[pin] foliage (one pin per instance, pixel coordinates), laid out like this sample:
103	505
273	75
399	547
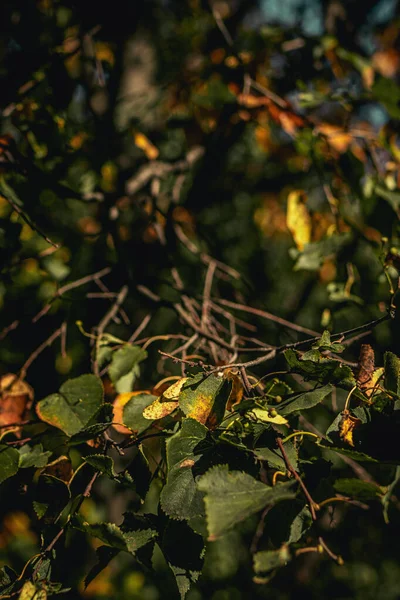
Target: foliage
200	250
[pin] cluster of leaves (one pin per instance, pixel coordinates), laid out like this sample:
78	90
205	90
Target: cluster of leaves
221	455
185	165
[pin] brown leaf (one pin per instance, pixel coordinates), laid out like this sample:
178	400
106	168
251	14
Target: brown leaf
347	426
366	366
16	398
60	468
236	394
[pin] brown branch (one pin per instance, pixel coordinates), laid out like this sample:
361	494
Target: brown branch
29	221
9	328
140	328
206	293
313	505
267	315
106	320
39	350
68	287
329	552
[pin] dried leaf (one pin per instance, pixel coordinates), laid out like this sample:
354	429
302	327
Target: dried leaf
298	218
16	397
236	393
366	366
347	426
159	409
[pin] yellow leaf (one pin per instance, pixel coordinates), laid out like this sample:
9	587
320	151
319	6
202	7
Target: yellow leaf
264	415
31	592
298	218
142	142
159	409
347	426
172	393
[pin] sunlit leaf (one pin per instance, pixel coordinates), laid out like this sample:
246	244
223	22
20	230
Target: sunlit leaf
74	406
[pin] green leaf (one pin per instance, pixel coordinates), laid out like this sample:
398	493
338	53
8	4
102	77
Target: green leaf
356	488
8	578
120	538
271	559
354	454
274	457
9	462
184	551
324	344
99	423
133	412
231	496
314	253
202	399
306	400
104	555
140	472
180	498
288	522
33	457
72	409
324	370
51	496
102	463
388	92
392	197
392	372
124	368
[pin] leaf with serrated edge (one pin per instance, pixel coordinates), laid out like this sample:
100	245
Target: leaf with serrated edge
306	400
102	463
113	536
74	406
9	462
231	496
180	498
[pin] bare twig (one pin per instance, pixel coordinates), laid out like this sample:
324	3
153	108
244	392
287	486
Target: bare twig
70	286
39	350
140	328
267	315
106	320
29	221
9	328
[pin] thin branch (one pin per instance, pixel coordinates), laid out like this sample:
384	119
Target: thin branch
68	287
9	328
269	316
39	350
29	221
140	328
206	293
313	505
106	320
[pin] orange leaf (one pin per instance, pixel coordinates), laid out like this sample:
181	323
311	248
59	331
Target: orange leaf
16	397
142	142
